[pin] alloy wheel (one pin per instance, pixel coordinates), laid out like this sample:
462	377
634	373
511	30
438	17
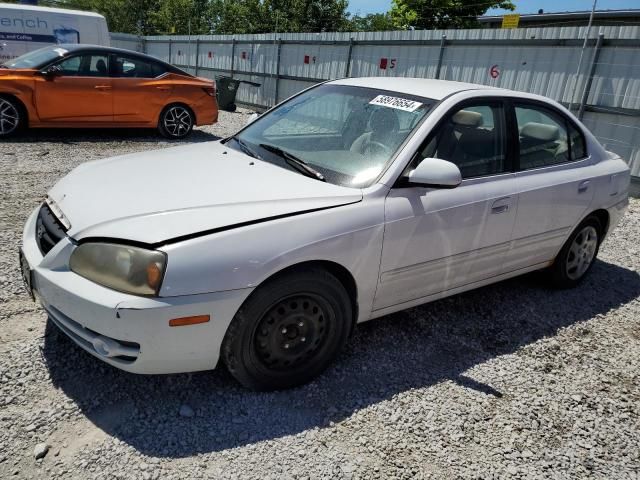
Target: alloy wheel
9	117
177	121
582	252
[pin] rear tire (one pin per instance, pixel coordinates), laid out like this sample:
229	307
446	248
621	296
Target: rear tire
176	121
288	331
578	254
12	117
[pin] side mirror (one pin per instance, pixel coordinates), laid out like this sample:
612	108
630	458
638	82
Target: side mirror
436	173
52	71
252	118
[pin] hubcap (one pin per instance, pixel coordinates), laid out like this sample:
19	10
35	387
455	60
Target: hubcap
9	117
291	332
177	121
581	253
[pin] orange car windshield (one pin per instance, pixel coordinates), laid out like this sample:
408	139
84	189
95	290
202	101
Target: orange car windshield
36	59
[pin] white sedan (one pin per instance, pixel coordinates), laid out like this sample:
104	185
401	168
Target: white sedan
351	200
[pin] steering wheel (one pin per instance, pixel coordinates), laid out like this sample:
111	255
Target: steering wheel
376	148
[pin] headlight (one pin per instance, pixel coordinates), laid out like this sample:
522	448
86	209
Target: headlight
120	267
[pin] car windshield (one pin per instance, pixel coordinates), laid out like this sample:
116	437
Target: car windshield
36	59
345	134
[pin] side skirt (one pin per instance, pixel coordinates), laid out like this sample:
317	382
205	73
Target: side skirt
454	291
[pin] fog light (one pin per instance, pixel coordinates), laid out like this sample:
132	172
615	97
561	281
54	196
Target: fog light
103	346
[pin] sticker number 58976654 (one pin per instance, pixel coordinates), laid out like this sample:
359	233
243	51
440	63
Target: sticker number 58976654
396	102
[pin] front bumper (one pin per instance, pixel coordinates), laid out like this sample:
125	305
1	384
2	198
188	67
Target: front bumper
129	332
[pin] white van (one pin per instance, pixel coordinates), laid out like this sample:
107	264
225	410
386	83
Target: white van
25	27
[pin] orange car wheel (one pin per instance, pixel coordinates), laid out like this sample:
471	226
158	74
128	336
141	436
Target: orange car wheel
176	121
12	116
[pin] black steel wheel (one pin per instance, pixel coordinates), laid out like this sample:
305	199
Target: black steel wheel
288	331
176	121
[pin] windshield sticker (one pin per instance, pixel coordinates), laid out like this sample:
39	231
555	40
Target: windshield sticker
396	102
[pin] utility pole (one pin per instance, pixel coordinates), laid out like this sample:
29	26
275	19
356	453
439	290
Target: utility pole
584	47
189	33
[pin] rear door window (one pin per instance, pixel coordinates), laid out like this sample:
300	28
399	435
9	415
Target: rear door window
543	137
134	67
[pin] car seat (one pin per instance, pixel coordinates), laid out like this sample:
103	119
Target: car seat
540	145
384	127
101	67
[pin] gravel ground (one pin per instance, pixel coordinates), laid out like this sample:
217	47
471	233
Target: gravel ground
511	381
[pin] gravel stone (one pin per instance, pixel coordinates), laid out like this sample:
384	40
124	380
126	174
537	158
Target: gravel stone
40	450
514	380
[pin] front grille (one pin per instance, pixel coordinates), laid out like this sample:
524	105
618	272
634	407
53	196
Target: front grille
49	230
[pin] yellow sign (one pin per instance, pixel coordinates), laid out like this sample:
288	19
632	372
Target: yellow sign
511	20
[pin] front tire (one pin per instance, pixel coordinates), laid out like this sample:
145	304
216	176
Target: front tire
12	117
578	254
288	331
176	121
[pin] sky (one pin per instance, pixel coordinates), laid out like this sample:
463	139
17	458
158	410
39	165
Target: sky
522	6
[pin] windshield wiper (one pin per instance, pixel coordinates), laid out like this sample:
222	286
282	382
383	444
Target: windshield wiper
295	162
246	148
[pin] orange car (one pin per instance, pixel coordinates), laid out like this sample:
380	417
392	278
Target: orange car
80	86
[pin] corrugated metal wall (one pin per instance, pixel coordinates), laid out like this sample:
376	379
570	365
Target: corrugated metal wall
127	41
538	60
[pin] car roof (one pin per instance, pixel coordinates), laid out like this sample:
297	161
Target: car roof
423	87
81	47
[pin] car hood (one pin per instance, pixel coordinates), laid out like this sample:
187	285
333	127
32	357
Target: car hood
155	196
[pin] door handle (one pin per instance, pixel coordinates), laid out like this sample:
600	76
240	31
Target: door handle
102	87
501	205
163	88
499	208
583	186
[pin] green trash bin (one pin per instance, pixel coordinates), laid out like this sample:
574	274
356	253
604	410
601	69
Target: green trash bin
227	90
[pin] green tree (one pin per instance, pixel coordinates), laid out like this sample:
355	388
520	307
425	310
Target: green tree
373	22
440	14
305	15
181	17
236	16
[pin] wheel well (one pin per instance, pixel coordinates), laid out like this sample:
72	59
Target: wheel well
603	216
182	105
20	105
337	270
